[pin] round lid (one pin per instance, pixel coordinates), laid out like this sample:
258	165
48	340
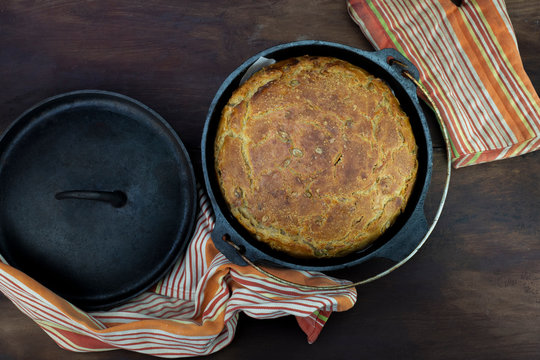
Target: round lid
97	197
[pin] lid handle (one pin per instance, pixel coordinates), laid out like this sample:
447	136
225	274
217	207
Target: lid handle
115	198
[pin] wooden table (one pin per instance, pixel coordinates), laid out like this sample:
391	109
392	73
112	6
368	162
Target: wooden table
473	291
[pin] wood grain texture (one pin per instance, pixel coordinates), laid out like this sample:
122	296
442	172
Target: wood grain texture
472	292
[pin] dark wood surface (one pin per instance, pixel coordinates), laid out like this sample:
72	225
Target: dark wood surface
473	291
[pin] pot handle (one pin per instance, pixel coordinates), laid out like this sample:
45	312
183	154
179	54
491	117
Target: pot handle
232	245
116	198
222	239
397	63
421	217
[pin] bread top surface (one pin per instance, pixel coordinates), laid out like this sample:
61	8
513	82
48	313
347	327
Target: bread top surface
315	157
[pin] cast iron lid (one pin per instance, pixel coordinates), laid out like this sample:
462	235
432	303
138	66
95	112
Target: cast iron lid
97	197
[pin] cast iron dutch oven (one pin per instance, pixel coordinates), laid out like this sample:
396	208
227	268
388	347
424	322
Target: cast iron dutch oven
401	239
97	197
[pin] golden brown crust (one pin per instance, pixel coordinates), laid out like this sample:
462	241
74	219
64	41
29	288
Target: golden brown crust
315	156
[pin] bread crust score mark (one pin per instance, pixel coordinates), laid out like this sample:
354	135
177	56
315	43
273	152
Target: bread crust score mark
315	157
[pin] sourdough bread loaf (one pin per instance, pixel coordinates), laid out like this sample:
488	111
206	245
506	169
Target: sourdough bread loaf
315	157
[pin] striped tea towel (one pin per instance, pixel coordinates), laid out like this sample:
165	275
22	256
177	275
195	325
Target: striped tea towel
469	62
192	311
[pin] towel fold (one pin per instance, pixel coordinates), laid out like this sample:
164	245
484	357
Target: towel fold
192	311
469	62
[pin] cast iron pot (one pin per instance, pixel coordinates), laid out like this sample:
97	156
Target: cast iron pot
401	239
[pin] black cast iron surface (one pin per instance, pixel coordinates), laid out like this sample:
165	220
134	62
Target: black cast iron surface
401	238
97	197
